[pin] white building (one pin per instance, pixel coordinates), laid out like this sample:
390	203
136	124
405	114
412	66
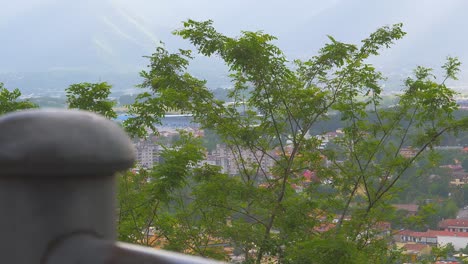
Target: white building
458	240
228	159
147	153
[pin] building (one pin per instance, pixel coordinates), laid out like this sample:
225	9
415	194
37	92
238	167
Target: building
408	236
457	173
328	137
415	251
411	209
147	153
223	157
459	240
459	181
408	152
454	225
228	159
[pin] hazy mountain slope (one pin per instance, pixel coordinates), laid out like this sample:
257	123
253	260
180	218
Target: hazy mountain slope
71	35
435	29
53	43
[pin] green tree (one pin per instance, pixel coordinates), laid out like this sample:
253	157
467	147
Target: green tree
134	218
443	251
449	209
429	215
320	250
260	209
158	202
426	218
91	97
464	250
10	102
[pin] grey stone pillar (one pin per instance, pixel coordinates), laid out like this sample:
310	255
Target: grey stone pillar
57	190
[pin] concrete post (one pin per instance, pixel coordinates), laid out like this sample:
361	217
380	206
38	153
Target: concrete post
57	190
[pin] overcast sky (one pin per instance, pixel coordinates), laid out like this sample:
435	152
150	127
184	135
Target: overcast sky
266	14
55	34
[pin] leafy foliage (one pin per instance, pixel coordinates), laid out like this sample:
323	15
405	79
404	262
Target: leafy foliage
271	212
320	250
91	97
10	102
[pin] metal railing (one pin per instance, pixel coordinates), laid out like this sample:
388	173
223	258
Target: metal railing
57	191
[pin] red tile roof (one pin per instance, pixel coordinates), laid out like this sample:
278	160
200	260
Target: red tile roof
453	223
324	227
451	234
407	207
415	247
383	225
428	233
432	233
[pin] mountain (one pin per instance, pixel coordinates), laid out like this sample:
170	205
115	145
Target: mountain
435	30
49	44
74	36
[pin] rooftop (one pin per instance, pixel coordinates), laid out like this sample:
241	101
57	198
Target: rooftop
407	207
432	233
453	223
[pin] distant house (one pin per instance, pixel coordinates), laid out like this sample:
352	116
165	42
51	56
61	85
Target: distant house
459	240
454	225
408	152
417	248
459	181
324	227
447	262
452	167
328	137
457	173
147	153
408	236
228	159
415	251
411	209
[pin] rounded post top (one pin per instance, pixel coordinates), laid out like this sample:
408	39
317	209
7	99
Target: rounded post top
62	143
